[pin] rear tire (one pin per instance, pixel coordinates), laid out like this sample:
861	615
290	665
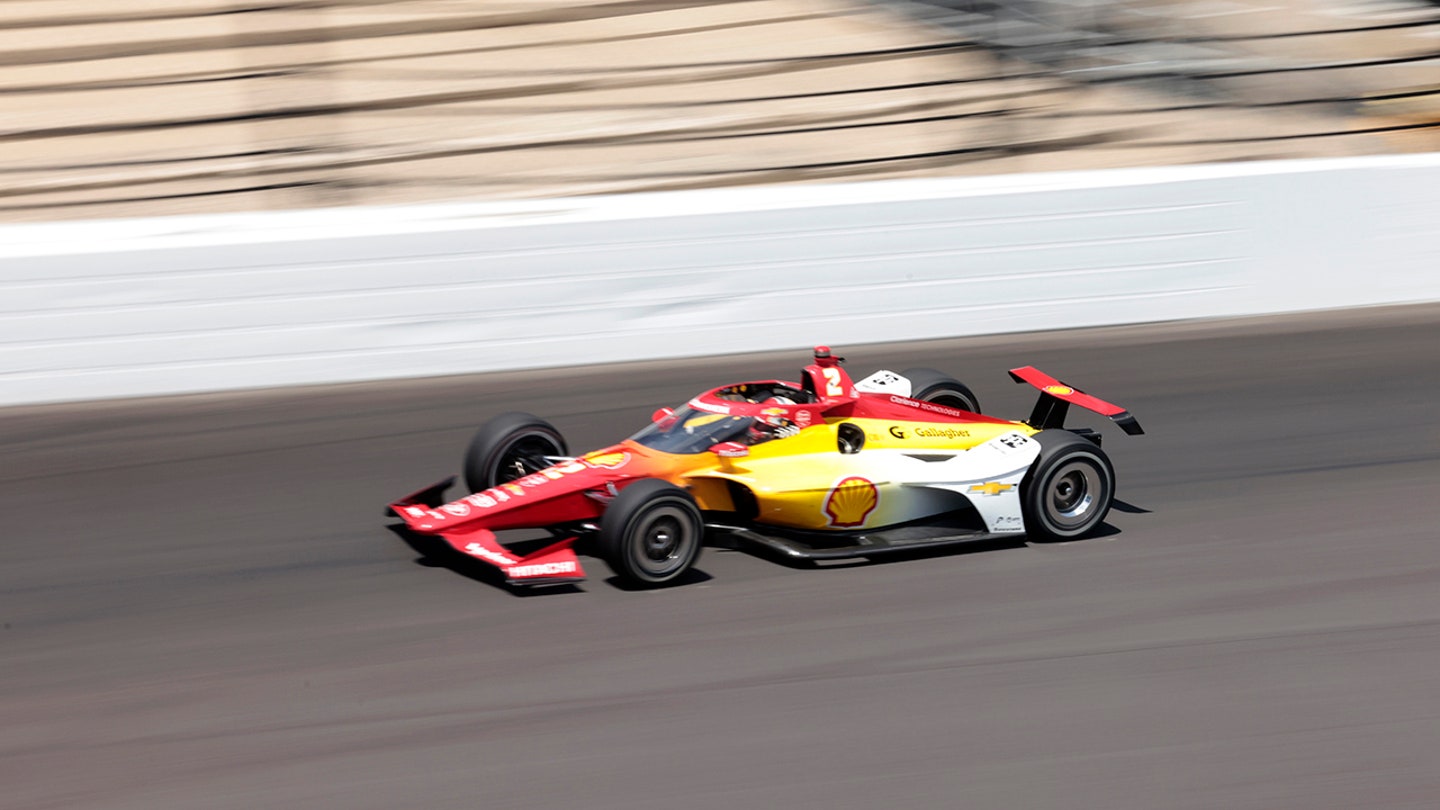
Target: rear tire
510	446
651	533
1069	489
929	385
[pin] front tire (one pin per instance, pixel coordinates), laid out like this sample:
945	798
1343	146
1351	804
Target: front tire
929	385
1068	491
651	533
510	446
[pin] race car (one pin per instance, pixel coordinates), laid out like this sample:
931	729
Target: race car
820	469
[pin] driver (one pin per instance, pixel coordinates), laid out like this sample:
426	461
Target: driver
772	423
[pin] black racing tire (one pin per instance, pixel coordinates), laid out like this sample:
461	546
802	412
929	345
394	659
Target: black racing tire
929	385
651	533
1069	489
510	446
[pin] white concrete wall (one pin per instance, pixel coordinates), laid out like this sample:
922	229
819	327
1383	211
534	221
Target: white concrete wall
139	307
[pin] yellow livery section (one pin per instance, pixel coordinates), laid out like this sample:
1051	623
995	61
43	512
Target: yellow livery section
808	482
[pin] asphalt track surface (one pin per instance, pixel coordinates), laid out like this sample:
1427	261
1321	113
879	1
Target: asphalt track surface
202	606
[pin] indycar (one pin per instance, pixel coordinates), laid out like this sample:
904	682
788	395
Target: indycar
820	469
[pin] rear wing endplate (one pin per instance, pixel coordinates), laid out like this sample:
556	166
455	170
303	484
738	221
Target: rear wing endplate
1056	398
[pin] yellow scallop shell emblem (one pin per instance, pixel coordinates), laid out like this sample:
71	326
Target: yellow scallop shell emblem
851	502
610	461
1059	390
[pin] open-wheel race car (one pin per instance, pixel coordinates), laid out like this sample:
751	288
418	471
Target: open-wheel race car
820	469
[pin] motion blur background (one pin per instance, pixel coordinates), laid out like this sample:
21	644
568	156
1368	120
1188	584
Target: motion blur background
180	106
200	604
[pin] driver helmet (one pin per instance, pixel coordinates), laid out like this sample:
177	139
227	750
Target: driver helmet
773	422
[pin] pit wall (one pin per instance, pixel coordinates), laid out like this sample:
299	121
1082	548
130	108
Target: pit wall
124	308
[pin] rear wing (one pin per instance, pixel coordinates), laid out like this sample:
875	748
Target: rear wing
1056	398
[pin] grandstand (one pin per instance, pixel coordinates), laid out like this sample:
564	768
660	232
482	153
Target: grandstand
190	106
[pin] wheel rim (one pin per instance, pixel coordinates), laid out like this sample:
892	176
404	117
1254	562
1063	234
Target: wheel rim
662	541
1073	495
524	455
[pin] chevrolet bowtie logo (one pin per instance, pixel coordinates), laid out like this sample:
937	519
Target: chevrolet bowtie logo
991	488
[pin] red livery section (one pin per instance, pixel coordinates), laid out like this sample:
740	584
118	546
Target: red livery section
553	564
468	524
1055	395
1060	390
892	406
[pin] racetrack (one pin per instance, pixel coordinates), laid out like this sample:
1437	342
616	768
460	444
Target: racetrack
202	607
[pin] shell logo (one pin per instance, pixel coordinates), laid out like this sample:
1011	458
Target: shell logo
610	461
851	501
1059	390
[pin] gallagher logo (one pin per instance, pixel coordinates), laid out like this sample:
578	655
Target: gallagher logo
942	433
851	501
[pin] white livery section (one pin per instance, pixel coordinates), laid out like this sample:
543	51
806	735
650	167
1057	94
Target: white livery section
987	475
995	470
144	307
885	382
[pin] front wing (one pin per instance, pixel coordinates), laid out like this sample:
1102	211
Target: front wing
555	564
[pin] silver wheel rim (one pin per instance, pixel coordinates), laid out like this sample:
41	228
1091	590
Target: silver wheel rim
662	541
1073	494
523	455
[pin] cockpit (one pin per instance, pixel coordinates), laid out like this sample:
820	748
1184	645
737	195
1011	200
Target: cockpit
747	413
688	431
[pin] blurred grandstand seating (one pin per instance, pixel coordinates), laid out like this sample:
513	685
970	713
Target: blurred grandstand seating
179	106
